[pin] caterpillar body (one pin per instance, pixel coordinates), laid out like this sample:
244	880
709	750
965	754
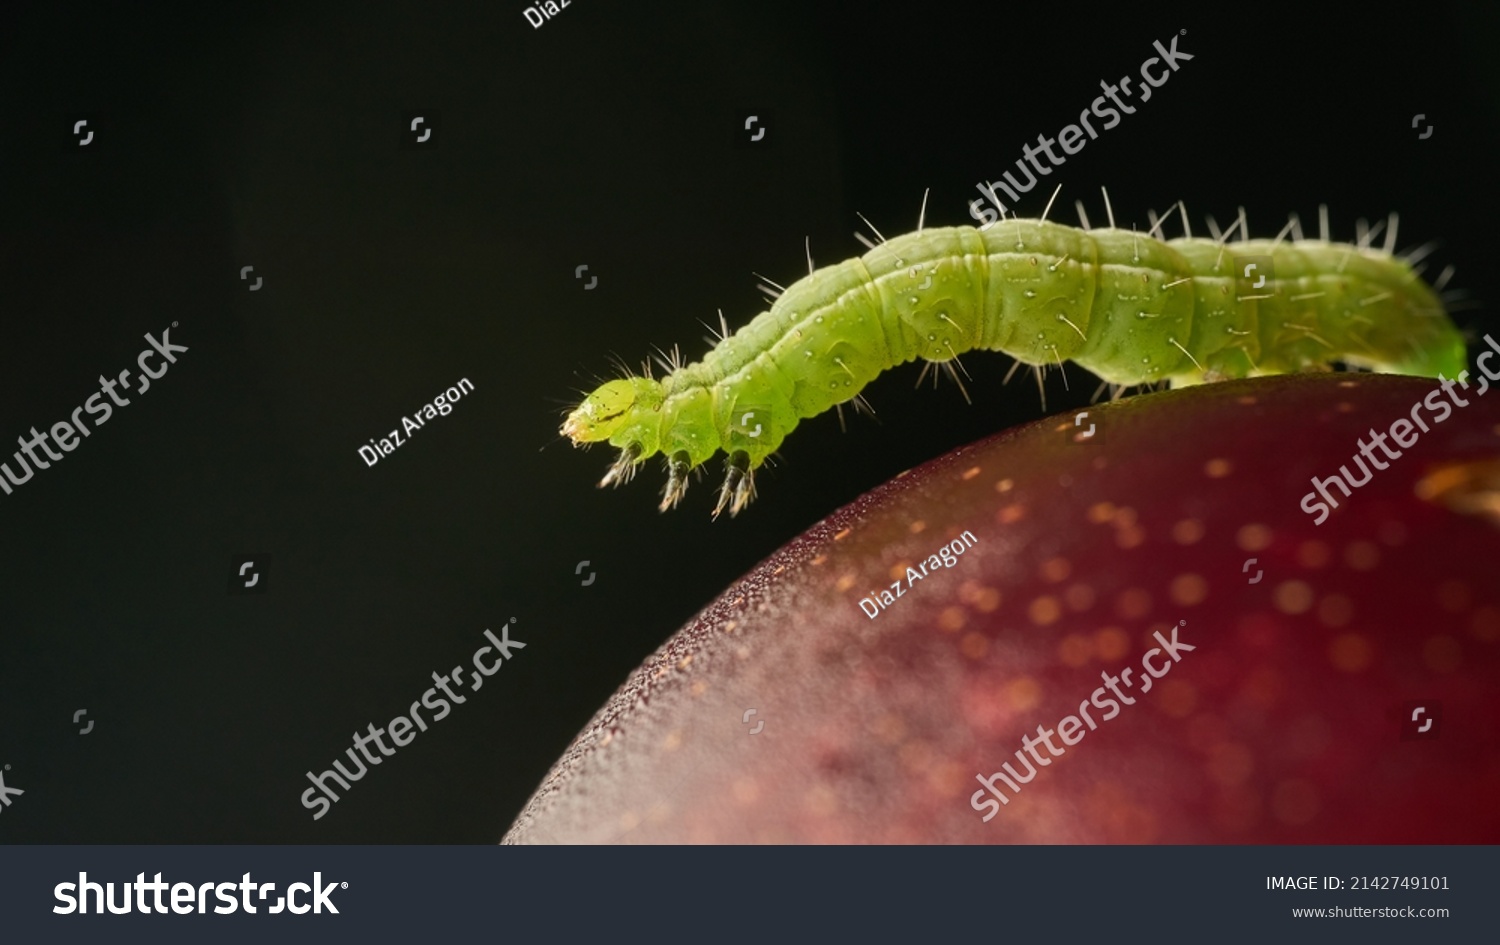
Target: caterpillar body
1131	308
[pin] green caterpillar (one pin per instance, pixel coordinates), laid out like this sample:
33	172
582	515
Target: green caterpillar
1129	307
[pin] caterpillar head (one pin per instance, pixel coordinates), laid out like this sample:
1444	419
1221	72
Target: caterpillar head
613	408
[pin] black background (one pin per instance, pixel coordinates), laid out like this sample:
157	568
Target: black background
270	135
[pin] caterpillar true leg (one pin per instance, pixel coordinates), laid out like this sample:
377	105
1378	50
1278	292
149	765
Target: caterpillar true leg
739	484
678	468
622	470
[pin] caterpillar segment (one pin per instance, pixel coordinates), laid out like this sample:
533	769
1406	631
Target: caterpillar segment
1128	306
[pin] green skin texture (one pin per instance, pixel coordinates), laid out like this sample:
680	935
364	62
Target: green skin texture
1014	287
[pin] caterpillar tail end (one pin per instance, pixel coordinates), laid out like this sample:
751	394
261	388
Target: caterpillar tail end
739	485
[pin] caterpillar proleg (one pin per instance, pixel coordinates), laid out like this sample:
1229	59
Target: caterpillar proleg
1128	306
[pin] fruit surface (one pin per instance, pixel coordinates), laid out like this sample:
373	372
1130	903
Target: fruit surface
1286	723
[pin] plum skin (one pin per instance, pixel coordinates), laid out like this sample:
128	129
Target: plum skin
1283	725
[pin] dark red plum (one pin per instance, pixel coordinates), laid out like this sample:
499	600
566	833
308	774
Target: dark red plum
1289	681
